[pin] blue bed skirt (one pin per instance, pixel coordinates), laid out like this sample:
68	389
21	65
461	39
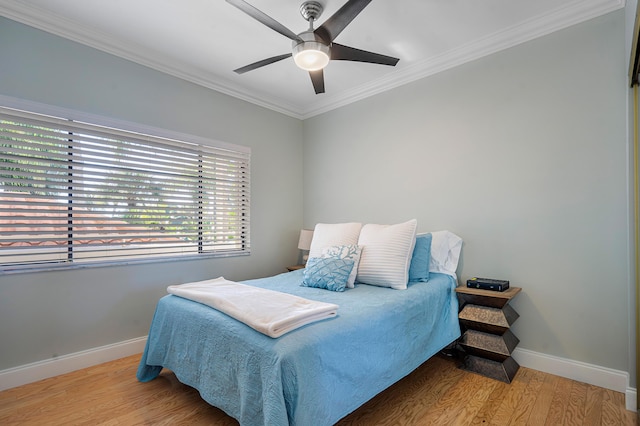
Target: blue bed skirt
314	375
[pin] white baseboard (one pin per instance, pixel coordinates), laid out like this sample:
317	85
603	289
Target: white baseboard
575	370
632	399
33	372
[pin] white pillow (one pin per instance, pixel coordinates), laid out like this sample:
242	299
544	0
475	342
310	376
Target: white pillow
445	252
333	234
386	254
350	252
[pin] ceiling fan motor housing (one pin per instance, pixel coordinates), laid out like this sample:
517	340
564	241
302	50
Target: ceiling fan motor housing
312	53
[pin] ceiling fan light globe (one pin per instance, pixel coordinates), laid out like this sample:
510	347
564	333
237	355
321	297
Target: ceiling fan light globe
311	55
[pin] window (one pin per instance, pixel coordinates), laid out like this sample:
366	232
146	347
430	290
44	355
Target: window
79	193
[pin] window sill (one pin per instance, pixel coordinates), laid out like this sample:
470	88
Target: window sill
50	267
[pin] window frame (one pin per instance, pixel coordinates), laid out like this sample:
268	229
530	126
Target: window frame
171	137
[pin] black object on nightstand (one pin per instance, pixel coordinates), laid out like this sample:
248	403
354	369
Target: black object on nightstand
488	342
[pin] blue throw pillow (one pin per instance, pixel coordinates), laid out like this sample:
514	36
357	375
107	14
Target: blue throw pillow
419	268
327	273
351	252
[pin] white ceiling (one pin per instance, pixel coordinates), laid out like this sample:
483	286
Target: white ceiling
203	41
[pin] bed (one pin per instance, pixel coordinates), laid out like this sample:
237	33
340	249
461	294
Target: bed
316	374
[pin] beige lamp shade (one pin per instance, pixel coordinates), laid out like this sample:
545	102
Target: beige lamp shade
304	243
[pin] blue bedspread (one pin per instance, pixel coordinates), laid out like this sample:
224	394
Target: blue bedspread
314	375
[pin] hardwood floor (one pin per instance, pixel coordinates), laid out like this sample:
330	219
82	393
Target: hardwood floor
437	393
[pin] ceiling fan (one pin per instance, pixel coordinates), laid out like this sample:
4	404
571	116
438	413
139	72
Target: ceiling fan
313	49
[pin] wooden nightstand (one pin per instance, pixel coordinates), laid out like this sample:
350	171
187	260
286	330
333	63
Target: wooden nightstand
295	267
486	317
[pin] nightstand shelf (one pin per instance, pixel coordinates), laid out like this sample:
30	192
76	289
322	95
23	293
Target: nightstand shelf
295	267
486	318
491	346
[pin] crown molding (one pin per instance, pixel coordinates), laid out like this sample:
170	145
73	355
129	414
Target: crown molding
563	17
57	25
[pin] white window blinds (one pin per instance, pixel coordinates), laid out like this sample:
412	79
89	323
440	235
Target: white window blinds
75	193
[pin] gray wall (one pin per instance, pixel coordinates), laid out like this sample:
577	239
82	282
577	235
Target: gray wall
45	315
523	154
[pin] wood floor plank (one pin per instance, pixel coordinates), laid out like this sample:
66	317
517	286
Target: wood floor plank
512	398
524	409
480	393
544	398
610	410
559	402
449	405
593	406
437	393
574	412
485	415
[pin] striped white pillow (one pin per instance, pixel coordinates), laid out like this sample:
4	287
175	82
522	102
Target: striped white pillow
386	254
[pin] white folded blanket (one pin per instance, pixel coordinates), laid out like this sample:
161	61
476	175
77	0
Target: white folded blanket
270	312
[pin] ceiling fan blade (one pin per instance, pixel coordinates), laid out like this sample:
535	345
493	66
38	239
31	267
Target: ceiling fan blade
262	17
262	63
333	26
317	78
340	52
